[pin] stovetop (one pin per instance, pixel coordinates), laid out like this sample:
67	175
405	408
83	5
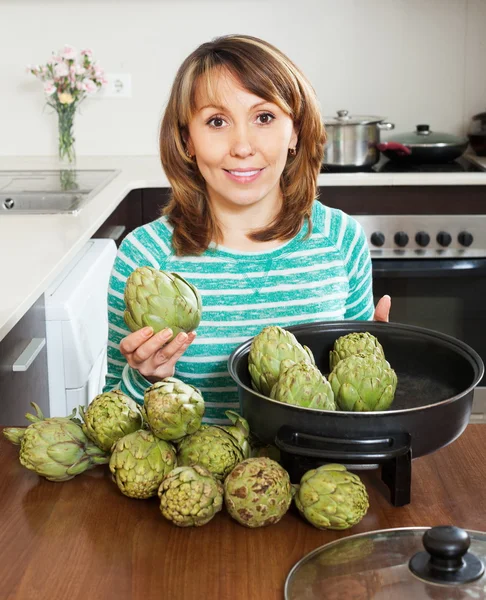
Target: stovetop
460	165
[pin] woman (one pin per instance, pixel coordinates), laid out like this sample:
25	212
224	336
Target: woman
241	143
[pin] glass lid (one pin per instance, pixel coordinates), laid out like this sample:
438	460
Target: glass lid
408	563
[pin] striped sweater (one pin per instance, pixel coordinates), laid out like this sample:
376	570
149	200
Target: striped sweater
324	277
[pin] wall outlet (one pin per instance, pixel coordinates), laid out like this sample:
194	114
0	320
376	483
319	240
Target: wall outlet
119	85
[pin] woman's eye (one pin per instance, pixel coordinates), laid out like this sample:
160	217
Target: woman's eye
265	118
216	122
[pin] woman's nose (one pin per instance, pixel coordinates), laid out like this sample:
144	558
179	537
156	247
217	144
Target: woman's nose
241	143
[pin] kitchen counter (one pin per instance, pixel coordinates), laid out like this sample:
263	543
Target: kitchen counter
84	539
35	248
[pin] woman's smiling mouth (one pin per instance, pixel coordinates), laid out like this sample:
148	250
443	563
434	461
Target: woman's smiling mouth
243	175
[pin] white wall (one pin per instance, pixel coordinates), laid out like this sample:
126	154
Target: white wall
413	61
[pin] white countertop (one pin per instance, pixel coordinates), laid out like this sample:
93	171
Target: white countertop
35	248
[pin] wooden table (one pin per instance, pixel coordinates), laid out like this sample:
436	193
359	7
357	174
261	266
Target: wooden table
84	539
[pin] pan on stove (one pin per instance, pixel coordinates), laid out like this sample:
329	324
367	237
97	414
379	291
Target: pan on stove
436	374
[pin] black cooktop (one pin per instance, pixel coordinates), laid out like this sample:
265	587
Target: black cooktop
461	165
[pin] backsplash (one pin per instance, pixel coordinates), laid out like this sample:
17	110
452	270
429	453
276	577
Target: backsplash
411	61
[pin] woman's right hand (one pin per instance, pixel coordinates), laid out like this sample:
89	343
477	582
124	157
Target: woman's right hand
150	353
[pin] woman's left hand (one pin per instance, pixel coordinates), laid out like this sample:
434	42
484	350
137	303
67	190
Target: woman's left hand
382	310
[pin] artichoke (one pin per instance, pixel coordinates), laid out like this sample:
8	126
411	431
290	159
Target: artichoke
174	409
109	417
215	447
363	382
303	384
55	448
139	462
257	492
159	299
330	497
354	343
268	349
190	496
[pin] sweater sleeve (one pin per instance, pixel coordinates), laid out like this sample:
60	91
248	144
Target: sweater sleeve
357	261
140	248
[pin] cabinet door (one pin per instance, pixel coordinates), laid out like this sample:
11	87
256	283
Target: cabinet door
24	349
124	219
153	201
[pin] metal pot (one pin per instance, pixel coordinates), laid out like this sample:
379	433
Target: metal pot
477	134
424	146
436	373
352	141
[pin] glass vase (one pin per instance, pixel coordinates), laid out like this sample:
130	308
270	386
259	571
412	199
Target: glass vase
67	153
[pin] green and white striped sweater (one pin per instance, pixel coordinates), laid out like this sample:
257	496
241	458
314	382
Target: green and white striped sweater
322	278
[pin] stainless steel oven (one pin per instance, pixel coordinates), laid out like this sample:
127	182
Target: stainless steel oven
428	248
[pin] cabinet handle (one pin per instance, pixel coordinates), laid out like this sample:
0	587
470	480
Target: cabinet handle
28	356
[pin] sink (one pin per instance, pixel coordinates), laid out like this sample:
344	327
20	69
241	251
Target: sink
50	191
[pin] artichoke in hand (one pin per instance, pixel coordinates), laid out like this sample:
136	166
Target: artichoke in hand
257	492
303	384
174	409
190	496
139	462
55	448
354	343
109	417
330	497
268	349
160	299
363	382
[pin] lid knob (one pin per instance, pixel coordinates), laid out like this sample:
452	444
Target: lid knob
343	114
423	129
446	559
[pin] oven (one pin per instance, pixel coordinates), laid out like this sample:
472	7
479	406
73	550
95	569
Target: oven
428	250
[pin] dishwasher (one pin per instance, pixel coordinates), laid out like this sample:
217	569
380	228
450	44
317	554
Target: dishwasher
77	328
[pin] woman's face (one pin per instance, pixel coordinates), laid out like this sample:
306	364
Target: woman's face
241	147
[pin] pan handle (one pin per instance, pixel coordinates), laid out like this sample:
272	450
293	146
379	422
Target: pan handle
366	450
301	452
400	149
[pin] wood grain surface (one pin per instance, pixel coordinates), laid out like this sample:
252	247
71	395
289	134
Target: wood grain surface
84	539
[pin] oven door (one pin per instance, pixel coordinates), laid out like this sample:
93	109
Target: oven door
447	295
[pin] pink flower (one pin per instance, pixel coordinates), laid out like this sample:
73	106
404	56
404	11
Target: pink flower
61	69
90	86
69	53
80	70
49	88
86	52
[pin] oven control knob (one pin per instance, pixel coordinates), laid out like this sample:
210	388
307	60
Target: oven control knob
401	239
444	238
422	238
377	238
465	238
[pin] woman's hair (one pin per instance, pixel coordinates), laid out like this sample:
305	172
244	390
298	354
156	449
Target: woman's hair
266	72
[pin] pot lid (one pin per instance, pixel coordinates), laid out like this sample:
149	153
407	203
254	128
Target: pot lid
408	563
423	136
344	118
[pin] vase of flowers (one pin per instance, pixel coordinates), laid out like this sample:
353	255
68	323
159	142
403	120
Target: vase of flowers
67	82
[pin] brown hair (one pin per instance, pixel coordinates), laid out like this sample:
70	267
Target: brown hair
276	79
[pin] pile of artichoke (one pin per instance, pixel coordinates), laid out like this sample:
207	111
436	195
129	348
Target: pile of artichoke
360	378
163	449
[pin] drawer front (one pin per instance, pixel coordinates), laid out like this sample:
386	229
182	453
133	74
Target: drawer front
23	368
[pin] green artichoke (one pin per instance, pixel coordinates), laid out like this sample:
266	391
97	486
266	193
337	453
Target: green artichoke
190	496
109	417
330	497
160	299
268	349
257	492
354	343
139	462
216	448
303	384
363	382
174	409
55	448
